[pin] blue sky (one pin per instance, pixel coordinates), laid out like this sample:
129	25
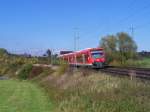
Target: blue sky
36	25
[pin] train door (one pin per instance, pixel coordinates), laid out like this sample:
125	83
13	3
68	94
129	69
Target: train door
83	58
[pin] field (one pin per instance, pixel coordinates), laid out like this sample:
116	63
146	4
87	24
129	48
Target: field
141	62
16	96
145	62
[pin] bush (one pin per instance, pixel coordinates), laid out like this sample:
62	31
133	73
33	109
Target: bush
4	70
63	68
25	71
42	71
35	72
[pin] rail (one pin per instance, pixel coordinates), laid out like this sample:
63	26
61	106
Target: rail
143	73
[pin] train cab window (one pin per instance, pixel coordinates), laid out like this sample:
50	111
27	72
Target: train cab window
97	54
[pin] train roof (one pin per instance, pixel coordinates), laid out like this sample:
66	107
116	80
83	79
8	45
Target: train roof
82	51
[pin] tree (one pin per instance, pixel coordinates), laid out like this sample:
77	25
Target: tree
49	54
110	46
126	46
119	47
3	51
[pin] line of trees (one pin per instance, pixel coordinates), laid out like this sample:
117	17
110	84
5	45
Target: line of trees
119	48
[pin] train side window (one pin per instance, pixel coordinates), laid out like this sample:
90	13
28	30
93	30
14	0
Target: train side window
79	59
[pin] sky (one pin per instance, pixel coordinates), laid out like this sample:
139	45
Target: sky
36	25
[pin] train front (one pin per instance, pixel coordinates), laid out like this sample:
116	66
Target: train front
98	58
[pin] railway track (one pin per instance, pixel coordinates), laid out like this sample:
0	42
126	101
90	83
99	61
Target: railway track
143	73
133	72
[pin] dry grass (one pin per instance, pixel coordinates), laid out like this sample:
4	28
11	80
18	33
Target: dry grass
83	91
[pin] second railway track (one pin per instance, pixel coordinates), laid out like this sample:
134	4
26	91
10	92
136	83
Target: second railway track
143	73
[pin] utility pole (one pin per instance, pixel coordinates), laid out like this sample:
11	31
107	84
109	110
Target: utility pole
76	39
52	56
132	30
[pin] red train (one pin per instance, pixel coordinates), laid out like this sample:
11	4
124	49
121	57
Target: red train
91	57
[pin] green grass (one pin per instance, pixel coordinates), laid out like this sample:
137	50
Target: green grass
145	62
23	96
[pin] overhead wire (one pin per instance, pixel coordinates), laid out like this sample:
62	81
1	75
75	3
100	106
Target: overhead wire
88	41
135	13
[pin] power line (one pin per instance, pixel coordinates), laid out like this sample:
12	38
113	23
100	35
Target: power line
130	7
143	25
136	12
127	18
132	3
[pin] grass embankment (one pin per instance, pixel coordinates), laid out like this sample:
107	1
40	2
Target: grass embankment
142	62
73	91
22	96
145	62
96	92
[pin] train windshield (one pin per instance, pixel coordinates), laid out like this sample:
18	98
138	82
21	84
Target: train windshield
97	54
